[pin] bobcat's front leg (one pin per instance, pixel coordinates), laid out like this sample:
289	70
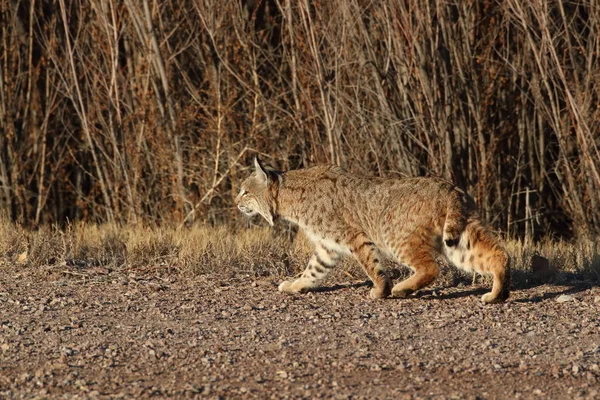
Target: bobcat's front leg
368	254
319	265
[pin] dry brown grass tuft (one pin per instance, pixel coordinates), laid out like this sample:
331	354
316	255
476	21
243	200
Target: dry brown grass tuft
579	259
199	250
228	252
13	240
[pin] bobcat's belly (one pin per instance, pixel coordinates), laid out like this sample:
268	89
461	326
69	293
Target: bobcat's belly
328	243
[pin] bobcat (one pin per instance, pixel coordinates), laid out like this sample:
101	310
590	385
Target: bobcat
412	220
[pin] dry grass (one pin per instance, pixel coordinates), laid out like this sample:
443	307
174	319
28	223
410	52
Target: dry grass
199	250
227	252
573	260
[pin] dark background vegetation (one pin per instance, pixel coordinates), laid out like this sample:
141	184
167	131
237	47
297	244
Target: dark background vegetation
146	111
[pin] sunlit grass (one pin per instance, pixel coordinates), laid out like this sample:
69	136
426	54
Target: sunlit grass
256	251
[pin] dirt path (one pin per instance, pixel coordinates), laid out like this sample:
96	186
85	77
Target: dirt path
105	334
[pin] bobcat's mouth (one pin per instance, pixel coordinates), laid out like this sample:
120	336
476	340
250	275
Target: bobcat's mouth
247	211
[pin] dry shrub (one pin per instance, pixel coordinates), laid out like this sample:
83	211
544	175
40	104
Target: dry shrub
151	118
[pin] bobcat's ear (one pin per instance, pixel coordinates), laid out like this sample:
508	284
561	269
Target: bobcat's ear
261	172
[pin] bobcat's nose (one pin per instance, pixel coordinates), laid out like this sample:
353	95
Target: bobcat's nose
238	198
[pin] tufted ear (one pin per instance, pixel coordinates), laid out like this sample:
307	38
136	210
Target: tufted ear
261	172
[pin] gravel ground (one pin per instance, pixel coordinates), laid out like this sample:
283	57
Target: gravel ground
96	333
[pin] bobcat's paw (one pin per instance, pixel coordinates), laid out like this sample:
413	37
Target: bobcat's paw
490	298
298	286
286	287
380	292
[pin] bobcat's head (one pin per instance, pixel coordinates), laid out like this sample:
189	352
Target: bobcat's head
256	196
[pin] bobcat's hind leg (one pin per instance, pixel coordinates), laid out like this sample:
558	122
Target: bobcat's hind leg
499	267
319	265
368	254
422	260
480	251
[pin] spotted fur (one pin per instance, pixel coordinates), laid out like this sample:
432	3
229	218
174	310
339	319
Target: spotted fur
412	220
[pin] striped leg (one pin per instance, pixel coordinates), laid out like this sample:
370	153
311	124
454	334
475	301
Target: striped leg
321	262
368	255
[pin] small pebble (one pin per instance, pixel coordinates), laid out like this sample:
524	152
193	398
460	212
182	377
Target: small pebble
563	298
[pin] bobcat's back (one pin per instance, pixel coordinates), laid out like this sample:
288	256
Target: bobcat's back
328	202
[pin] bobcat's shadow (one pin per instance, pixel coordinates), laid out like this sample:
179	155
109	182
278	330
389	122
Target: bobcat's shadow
521	280
324	289
431	294
575	283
